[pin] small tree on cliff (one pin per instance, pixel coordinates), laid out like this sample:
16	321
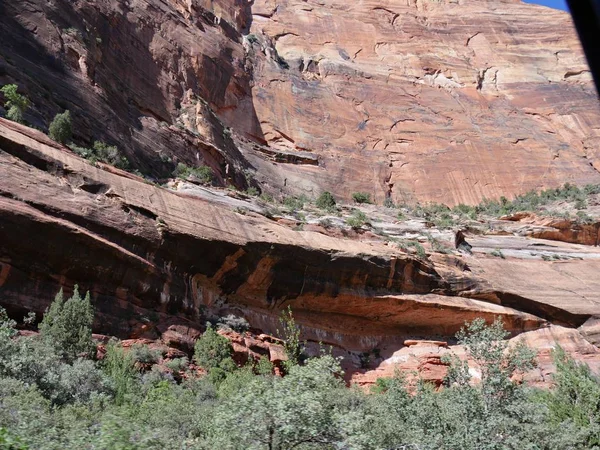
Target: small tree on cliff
61	128
294	347
326	201
15	104
67	325
498	362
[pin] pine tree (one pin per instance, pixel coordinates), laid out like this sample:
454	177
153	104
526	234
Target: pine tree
68	325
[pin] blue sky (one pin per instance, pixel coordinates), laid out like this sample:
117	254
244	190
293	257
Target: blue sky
558	4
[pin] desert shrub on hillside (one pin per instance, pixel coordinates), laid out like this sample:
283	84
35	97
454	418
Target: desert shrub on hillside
213	352
405	245
15	103
202	174
294	204
326	201
535	201
103	152
144	354
234	323
357	219
361	197
61	128
389	203
576	398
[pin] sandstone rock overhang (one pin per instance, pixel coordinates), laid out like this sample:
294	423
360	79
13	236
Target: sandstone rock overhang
140	248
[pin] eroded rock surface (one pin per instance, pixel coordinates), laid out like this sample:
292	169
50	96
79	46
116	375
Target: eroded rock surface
450	101
403	99
158	260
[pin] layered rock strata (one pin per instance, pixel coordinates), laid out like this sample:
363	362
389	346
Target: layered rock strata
402	99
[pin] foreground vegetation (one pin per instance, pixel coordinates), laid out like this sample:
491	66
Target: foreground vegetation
55	395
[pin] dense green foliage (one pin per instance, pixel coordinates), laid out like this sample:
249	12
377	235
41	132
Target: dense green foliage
15	104
213	352
326	201
50	401
61	128
202	174
68	325
103	152
361	197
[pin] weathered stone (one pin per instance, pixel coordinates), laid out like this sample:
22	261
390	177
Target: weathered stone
408	99
402	100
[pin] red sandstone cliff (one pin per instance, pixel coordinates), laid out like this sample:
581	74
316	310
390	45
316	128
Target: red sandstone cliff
449	101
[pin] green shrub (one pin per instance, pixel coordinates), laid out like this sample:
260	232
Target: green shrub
268	198
178	364
361	197
252	191
405	245
67	325
61	128
263	366
326	201
10	442
119	366
290	332
294	203
15	103
234	323
357	219
584	218
437	245
144	354
213	352
102	152
110	154
498	253
326	223
576	397
202	174
39	361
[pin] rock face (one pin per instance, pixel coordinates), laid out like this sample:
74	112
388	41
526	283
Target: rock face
449	101
158	261
398	98
414	100
146	76
138	246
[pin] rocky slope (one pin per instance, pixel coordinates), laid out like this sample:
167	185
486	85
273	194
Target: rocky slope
158	262
407	100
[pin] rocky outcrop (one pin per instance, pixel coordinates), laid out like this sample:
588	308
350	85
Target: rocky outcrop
556	229
400	99
425	359
140	248
147	76
411	100
154	255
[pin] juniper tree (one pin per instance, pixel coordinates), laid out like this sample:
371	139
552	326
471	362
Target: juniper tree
68	325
